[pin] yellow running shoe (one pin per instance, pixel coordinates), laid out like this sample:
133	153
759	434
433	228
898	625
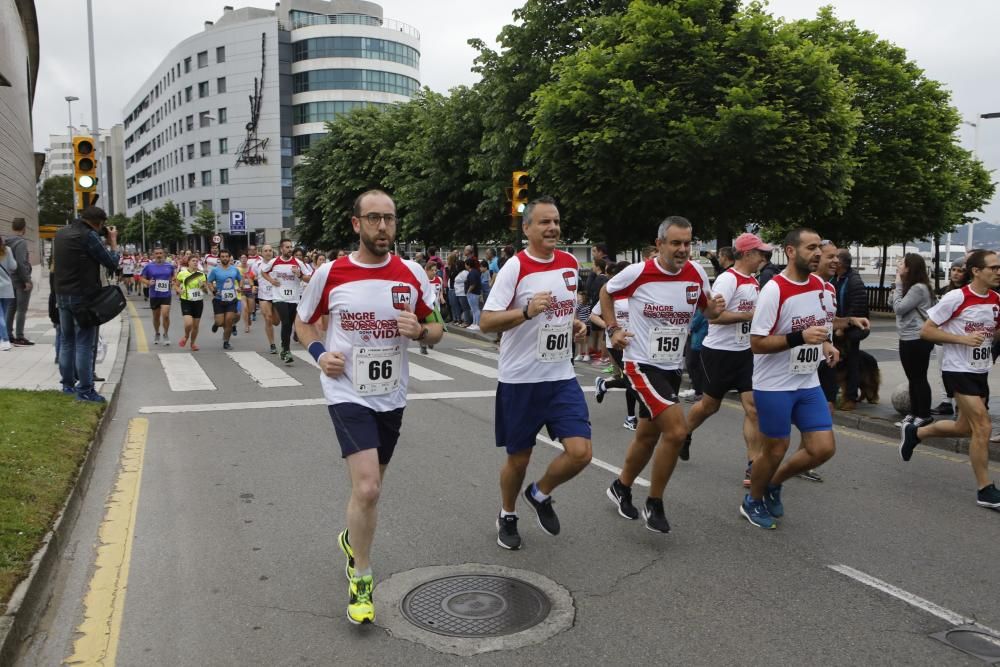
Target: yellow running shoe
361	608
345	546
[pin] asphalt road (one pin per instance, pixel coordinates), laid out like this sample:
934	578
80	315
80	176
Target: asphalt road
234	562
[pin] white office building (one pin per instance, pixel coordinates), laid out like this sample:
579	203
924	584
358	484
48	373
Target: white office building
222	120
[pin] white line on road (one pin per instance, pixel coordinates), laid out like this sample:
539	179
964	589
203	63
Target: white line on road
486	354
184	373
306	357
418	372
593	461
464	364
262	371
946	615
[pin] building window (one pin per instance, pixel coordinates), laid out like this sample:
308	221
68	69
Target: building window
356	47
189	93
355	79
206	178
190	151
191	180
189	121
207	203
206	148
224	205
192	207
203	89
302	142
187	65
318	112
203	119
223	177
223	146
220	54
222	115
203	59
220	85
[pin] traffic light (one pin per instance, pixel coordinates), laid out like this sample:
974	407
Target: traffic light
85	170
519	193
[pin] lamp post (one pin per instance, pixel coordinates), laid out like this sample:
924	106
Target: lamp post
69	107
975	154
215	216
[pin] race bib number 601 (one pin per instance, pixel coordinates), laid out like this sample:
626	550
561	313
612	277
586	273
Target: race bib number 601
555	342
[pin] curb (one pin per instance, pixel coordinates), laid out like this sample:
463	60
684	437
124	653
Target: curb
474	335
30	599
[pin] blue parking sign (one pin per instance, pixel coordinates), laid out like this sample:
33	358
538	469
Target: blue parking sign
237	222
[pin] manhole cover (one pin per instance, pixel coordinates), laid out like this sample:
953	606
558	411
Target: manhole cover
475	606
972	640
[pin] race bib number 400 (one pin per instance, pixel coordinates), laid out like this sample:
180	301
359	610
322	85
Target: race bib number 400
555	342
804	359
981	358
666	344
377	370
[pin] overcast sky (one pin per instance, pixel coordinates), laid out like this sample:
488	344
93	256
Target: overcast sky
954	42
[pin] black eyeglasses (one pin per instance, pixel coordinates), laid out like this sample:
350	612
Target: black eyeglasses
373	219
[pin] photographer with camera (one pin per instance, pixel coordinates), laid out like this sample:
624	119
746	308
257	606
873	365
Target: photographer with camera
79	253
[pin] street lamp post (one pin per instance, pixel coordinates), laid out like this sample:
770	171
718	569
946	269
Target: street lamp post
69	107
975	154
215	216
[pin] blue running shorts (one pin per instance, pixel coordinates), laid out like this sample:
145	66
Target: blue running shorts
777	411
523	409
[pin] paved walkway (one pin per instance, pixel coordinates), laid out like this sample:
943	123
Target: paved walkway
35	367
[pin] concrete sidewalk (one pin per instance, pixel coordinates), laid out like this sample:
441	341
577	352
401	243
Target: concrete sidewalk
35	367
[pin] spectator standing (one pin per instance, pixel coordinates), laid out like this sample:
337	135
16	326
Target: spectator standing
911	299
769	270
21	283
485	278
508	252
473	290
595	281
79	254
465	317
493	264
8	266
454	306
723	260
852	301
583	310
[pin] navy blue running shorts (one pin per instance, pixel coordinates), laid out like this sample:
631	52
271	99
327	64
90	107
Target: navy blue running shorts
778	410
523	409
359	427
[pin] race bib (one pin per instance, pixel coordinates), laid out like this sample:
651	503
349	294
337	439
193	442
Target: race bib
161	286
981	358
194	294
287	292
804	359
743	333
227	295
666	343
377	370
554	342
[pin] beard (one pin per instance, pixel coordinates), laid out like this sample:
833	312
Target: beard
371	245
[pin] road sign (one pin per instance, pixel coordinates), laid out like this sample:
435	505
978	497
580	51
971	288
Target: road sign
237	222
217	239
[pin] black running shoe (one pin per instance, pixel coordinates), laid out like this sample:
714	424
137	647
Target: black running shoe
621	496
547	519
215	327
943	408
600	389
507	535
686	448
989	496
908	440
656	520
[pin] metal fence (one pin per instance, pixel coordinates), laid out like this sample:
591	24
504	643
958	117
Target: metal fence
878	299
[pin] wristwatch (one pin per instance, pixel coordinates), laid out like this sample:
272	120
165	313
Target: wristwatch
525	313
610	331
423	333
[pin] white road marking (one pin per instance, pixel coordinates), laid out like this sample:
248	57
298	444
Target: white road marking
306	357
593	461
262	371
184	373
464	364
486	354
946	615
418	372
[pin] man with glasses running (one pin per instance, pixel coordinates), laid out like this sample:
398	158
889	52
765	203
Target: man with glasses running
663	293
287	274
375	303
964	322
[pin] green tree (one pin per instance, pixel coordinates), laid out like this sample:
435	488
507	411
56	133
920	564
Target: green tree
912	180
727	118
204	223
55	201
165	225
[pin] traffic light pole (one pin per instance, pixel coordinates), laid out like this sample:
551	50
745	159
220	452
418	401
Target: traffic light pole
93	92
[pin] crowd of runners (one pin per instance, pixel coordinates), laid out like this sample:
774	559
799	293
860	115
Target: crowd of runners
772	345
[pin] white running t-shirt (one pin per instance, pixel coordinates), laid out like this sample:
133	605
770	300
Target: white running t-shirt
289	287
740	293
963	312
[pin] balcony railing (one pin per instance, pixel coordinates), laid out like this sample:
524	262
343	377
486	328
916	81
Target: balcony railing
301	20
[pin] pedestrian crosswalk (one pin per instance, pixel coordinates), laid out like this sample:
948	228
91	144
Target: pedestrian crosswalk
187	372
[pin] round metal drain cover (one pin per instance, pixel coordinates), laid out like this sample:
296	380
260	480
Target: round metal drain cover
475	606
977	643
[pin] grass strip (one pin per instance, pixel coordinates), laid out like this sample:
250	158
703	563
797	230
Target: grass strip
43	439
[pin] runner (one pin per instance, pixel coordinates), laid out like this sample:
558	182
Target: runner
254	260
286	273
223	281
726	359
436	284
141	263
790	337
128	272
265	293
212	258
248	290
375	303
663	294
964	323
157	278
190	287
533	301
602	385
